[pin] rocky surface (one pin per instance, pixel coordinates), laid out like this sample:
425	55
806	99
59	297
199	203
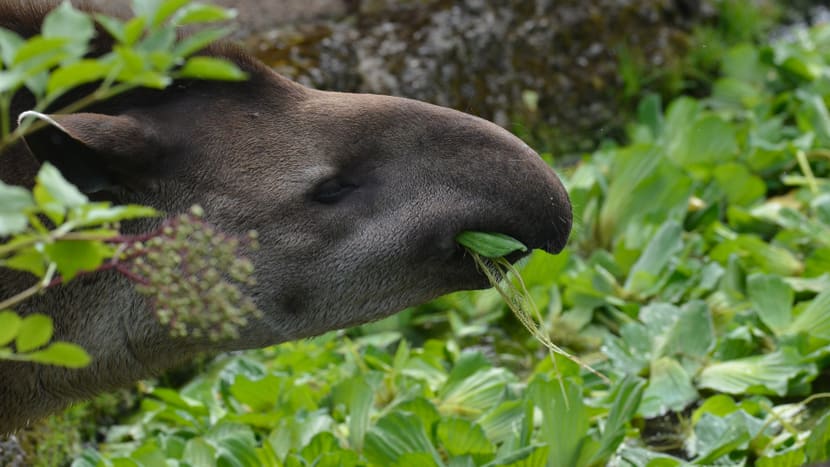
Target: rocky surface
542	62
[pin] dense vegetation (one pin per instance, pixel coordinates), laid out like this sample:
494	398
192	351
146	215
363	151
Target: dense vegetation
697	281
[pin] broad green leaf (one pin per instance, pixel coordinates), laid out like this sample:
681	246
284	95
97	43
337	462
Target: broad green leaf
476	393
199	40
146	8
54	194
718	405
760	374
10	42
202	13
655	258
75	74
790	458
716	437
530	456
9	326
62	354
707	141
768	257
738	184
133	30
35	331
67	22
772	299
74	256
258	394
28	259
818	444
565	418
650	114
14	202
626	396
211	68
397	434
815	319
814	115
113	26
503	421
360	405
40	53
167	9
461	437
669	389
691	337
197	451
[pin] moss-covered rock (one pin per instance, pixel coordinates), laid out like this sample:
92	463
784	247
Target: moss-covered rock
483	57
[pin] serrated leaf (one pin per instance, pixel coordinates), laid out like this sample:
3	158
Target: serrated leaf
9	326
211	68
62	354
35	331
489	244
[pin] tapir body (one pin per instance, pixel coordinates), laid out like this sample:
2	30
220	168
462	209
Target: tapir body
357	200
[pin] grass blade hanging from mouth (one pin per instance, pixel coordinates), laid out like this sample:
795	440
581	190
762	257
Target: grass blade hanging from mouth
488	251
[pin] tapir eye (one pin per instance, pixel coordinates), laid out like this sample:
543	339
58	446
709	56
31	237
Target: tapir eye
333	190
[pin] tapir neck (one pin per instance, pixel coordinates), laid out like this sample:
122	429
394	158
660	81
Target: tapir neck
83	312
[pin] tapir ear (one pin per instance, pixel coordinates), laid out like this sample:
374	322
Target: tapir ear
96	152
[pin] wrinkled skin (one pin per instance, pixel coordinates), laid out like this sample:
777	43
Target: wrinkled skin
356	198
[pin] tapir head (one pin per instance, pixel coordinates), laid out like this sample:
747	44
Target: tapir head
357	199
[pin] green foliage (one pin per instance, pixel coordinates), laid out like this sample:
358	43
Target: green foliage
698	282
489	245
55	232
30	336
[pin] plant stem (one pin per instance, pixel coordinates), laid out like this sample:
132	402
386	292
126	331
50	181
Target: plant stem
22	296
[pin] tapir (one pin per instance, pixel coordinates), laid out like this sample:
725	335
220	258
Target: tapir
357	200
